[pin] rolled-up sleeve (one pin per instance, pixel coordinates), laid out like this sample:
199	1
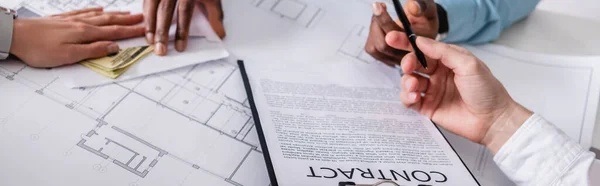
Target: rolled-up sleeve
541	154
481	21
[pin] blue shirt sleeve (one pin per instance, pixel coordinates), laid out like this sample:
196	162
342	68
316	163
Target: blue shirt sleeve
482	21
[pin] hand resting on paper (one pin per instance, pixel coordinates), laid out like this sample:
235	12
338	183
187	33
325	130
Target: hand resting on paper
461	94
423	16
72	37
158	15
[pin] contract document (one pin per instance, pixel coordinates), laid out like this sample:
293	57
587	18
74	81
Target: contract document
322	124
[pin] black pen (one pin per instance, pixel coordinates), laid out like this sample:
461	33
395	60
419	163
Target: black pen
409	32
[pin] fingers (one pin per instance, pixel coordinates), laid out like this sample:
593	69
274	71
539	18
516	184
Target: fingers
164	17
447	54
376	45
185	13
383	19
96	13
418	8
414	83
113	19
380	50
411	100
80	52
410	64
150	7
397	40
214	13
410	96
388	60
76	12
92	33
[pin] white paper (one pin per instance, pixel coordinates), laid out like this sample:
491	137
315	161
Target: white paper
204	45
344	122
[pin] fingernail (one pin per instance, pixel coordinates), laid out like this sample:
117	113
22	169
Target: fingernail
113	48
376	9
180	45
412	96
419	8
150	37
160	49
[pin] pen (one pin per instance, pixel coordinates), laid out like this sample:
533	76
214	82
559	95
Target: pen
409	32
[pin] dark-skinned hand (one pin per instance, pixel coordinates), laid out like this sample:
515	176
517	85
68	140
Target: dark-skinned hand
158	15
424	21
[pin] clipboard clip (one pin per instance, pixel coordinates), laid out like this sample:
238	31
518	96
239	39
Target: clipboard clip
381	183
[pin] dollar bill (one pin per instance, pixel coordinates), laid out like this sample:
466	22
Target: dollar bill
115	65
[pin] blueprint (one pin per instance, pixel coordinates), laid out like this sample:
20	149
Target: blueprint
192	125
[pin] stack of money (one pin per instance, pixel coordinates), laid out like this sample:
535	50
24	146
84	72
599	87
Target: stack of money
115	65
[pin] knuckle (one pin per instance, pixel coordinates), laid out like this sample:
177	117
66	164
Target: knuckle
161	32
371	49
95	13
115	29
182	33
81	27
108	18
446	47
473	62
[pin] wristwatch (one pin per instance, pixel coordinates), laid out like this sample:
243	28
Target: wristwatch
7	17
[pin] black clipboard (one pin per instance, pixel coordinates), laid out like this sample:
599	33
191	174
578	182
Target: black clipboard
261	134
263	141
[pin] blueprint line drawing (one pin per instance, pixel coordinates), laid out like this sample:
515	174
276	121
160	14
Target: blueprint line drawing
200	101
296	11
354	45
57	6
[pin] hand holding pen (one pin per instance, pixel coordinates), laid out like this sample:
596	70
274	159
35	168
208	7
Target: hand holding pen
423	16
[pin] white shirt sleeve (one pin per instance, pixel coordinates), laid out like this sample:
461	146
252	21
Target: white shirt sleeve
541	154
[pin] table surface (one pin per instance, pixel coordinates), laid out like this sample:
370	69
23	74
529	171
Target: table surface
559	28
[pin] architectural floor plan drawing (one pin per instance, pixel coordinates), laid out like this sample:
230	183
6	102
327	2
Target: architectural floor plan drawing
354	45
297	11
140	128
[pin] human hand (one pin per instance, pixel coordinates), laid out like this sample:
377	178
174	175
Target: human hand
423	17
158	15
461	94
72	37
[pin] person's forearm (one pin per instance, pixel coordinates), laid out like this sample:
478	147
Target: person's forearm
538	153
481	21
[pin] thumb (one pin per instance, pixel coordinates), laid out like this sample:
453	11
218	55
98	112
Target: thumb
450	56
92	50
